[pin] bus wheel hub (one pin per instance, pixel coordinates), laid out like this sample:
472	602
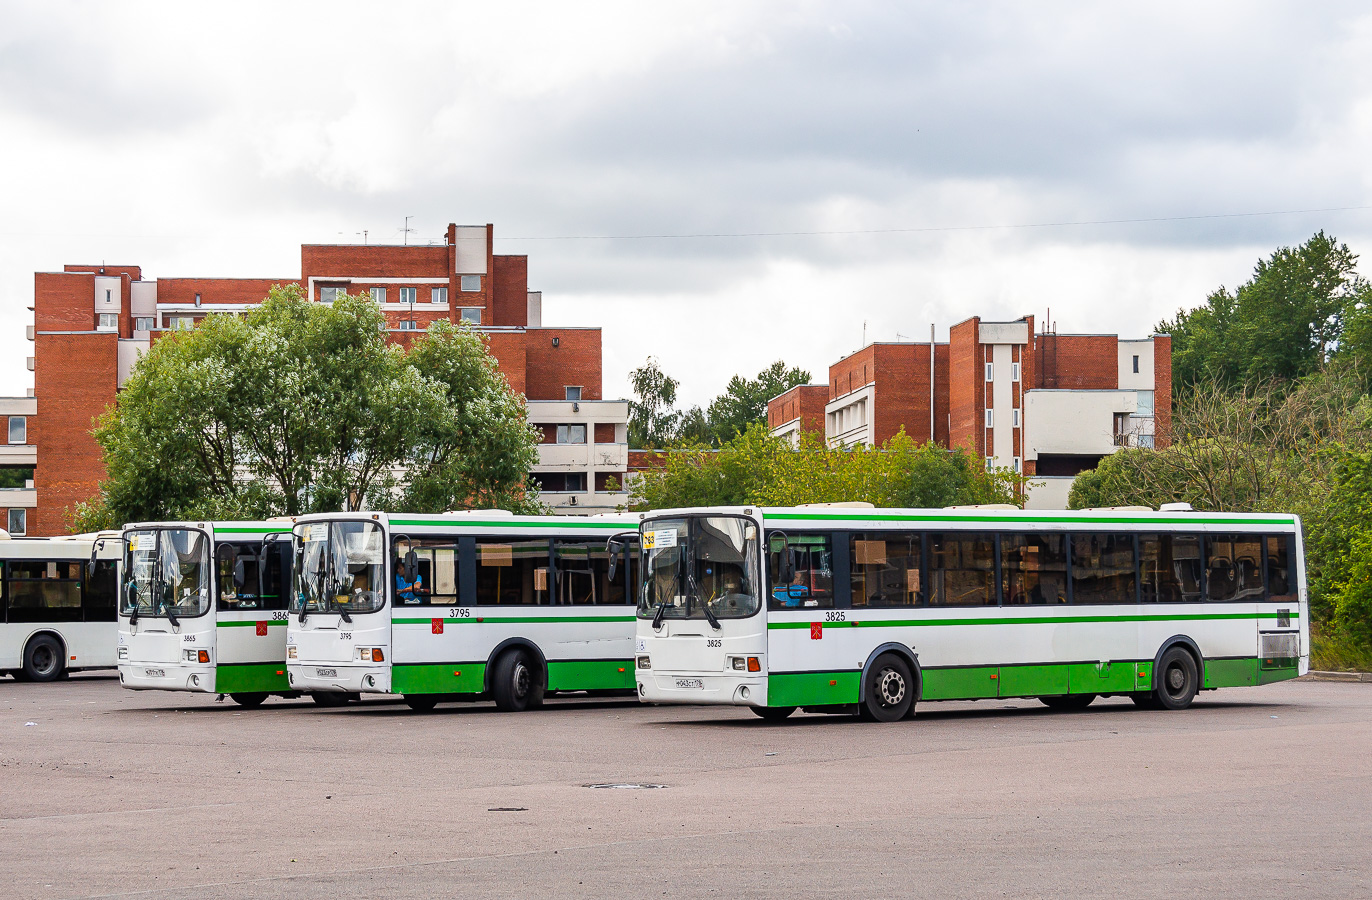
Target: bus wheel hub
890	687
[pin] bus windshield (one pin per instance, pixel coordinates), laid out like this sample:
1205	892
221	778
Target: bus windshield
699	563
166	573
339	567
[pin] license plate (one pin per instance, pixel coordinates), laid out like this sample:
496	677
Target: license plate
155	673
326	673
695	683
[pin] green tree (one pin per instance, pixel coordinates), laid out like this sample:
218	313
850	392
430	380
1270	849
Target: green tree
1283	323
653	417
300	407
744	400
756	468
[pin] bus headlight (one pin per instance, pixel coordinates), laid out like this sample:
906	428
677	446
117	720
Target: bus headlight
644	662
291	652
738	663
123	652
371	654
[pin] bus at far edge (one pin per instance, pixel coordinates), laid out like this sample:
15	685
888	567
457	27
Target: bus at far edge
58	604
203	608
462	605
870	610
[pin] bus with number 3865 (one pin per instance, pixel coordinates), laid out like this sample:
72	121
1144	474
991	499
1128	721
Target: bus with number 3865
871	611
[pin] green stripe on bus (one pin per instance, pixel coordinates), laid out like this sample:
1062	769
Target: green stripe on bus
591	675
1024	620
426	678
1034	680
252	678
1010	517
495	523
250	623
241	529
505	620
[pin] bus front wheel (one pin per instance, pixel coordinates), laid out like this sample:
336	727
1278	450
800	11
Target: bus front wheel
421	702
516	683
890	690
1178	680
248	701
773	713
43	659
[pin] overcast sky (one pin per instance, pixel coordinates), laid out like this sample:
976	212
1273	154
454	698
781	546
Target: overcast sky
929	150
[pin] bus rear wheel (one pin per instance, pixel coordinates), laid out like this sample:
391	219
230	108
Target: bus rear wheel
421	702
516	683
890	690
773	713
249	701
1178	680
1068	701
43	659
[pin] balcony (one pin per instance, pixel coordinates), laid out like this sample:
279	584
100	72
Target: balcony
25	455
584	503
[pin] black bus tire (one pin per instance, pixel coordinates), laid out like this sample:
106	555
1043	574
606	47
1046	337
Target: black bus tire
421	702
1068	701
516	684
249	700
773	713
1178	679
43	659
329	699
890	690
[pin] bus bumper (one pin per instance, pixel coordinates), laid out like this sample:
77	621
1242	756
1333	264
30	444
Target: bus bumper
160	676
331	676
692	687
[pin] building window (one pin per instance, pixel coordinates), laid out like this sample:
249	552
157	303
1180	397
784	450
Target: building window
109	298
1145	405
19	521
19	430
1143	440
1136	365
990	371
181	323
330	294
1017	464
990	463
573	392
108	322
471	284
571	434
378	294
409	325
1014	372
439	295
562	482
990	418
142	324
1014	418
197	299
471	315
409	295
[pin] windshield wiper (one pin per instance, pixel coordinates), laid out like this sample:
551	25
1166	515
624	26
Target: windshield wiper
693	592
657	616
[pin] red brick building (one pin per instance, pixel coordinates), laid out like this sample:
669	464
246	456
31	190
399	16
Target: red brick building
92	321
1049	405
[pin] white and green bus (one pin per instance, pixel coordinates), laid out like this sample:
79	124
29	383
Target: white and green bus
202	607
57	604
462	605
872	610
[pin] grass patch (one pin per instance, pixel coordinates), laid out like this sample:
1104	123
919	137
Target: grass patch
1333	652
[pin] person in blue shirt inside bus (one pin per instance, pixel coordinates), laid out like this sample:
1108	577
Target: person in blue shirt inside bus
406	591
793	594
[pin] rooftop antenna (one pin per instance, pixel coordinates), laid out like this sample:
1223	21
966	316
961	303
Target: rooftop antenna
407	229
900	337
864	332
363	232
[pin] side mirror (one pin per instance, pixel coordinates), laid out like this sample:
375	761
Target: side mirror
240	576
411	566
616	545
785	570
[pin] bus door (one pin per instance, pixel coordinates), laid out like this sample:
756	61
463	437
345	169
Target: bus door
251	600
1278	620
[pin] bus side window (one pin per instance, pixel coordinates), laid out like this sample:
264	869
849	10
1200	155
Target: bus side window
812	574
512	573
886	569
43	591
1280	575
1103	568
962	569
98	599
1161	571
1033	569
1233	568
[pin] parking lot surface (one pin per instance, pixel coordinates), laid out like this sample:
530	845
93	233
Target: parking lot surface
1261	792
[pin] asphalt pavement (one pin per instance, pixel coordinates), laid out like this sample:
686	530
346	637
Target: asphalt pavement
1254	792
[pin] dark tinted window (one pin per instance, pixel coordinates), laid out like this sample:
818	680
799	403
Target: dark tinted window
583	574
43	591
812	572
1169	568
1033	569
1281	573
1233	567
962	570
886	569
250	574
102	589
1103	568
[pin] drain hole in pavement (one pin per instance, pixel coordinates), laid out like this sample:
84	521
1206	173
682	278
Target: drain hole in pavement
508	809
627	785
